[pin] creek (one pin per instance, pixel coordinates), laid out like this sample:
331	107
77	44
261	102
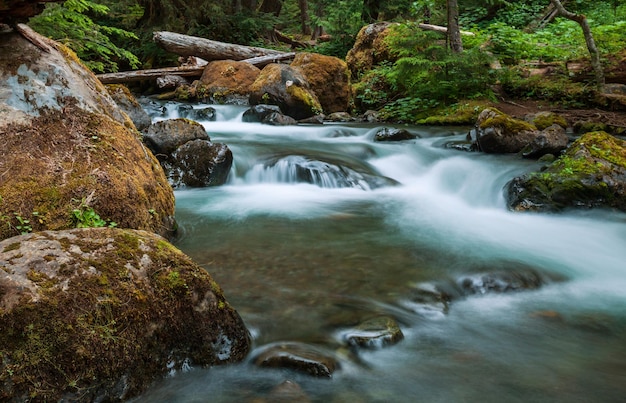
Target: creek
303	255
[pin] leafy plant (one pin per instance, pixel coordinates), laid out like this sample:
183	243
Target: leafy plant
85	217
70	24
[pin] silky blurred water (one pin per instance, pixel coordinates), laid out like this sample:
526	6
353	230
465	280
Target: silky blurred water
299	260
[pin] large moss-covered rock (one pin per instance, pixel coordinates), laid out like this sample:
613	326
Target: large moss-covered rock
497	132
286	87
591	173
329	79
66	145
226	81
369	49
127	102
99	314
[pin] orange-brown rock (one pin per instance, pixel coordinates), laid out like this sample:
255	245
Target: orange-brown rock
329	79
223	79
369	48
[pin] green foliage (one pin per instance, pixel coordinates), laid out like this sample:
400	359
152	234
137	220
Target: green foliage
343	22
85	217
426	75
70	23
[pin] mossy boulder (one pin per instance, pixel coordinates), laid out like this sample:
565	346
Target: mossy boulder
99	314
66	145
543	120
329	79
127	102
369	48
499	133
286	87
591	173
226	81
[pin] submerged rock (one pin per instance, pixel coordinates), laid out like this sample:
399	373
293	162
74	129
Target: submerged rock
592	173
100	314
500	282
297	356
375	332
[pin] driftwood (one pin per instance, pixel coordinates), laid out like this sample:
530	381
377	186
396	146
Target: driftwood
441	29
185	71
207	49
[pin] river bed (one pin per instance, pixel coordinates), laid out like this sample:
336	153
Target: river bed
299	261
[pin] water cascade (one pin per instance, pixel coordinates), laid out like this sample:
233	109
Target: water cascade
320	228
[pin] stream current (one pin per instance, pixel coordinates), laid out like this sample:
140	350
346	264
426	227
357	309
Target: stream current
319	226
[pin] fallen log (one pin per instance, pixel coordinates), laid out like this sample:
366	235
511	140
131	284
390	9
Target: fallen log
183	71
140	75
207	49
441	29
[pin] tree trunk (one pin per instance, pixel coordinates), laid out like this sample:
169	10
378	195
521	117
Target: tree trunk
591	44
454	32
371	10
207	49
271	7
304	17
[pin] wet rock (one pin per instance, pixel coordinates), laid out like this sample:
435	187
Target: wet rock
496	132
552	140
171	82
127	102
591	173
257	113
64	141
313	120
199	163
340	117
164	137
297	356
286	87
500	282
375	332
393	134
329	79
100	314
207	114
431	300
278	119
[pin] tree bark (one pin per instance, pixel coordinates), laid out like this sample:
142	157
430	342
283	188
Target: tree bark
454	32
207	49
591	44
443	30
304	17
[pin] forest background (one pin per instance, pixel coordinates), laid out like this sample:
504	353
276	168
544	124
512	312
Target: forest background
425	71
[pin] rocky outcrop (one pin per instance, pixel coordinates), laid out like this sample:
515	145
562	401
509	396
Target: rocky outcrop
65	143
226	81
329	79
99	314
496	132
369	49
591	173
286	87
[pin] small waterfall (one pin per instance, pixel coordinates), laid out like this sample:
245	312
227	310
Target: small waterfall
301	169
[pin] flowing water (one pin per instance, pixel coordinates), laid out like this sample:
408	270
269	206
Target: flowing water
320	226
